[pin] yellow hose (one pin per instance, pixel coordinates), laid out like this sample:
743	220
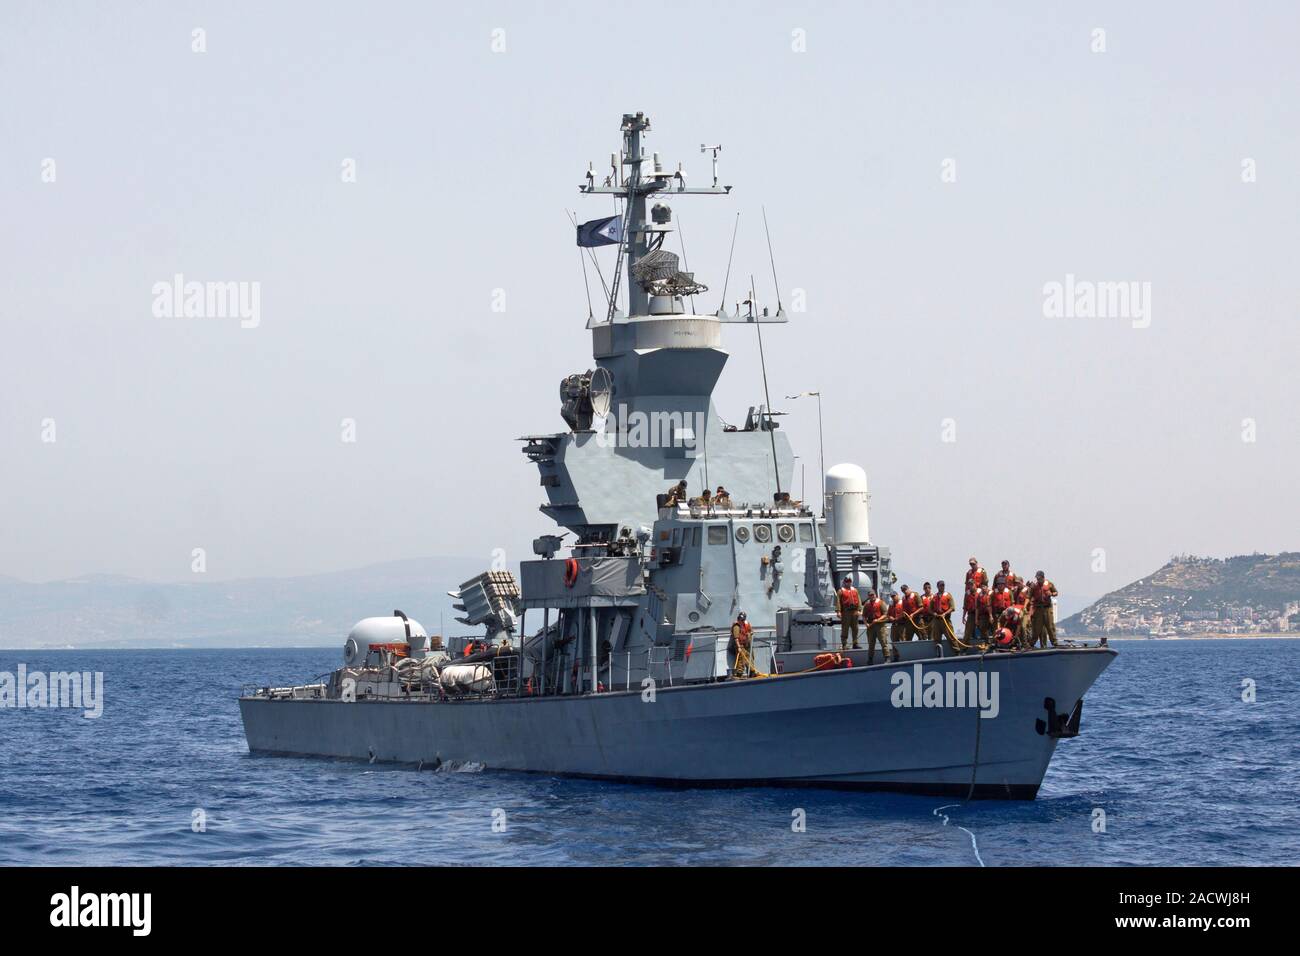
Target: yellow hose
743	658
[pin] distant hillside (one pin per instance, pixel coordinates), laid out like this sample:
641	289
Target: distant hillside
320	609
1248	594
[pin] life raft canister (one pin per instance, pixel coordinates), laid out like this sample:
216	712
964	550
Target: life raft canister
570	572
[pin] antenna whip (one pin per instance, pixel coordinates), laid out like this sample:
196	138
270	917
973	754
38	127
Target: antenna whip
583	259
762	361
772	259
727	279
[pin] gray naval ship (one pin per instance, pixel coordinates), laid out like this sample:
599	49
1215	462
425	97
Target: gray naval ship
611	655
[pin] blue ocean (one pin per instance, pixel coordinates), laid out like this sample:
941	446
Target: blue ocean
1182	768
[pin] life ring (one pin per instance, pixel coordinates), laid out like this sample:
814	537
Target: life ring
570	572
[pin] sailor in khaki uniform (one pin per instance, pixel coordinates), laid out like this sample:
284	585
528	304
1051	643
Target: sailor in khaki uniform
1043	623
848	604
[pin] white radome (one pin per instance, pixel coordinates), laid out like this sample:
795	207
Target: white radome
378	630
846	505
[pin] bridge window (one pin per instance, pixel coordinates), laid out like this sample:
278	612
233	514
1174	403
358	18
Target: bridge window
805	532
717	534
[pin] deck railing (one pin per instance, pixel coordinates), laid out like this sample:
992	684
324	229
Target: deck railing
658	661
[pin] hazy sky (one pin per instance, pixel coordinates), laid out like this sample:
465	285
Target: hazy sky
925	296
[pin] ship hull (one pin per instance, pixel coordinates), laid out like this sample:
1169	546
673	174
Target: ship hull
843	728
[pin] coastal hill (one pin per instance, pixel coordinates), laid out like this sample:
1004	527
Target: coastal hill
1247	594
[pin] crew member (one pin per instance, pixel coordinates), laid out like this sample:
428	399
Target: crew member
1043	623
1000	600
911	607
742	639
983	612
941	608
897	622
1021	605
969	609
704	500
976	577
1026	605
676	494
874	614
1009	624
1006	578
923	616
721	498
848	604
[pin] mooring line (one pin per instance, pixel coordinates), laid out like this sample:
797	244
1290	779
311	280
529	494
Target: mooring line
973	844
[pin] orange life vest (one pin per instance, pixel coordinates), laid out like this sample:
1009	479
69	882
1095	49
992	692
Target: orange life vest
942	603
848	597
1041	593
875	610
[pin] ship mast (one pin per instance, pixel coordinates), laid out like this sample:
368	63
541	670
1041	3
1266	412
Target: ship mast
637	184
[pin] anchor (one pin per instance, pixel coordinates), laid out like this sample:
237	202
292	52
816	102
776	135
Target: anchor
1059	725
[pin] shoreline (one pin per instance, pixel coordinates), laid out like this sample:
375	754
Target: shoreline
1185	637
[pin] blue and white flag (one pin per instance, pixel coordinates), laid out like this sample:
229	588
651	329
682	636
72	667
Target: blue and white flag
601	232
